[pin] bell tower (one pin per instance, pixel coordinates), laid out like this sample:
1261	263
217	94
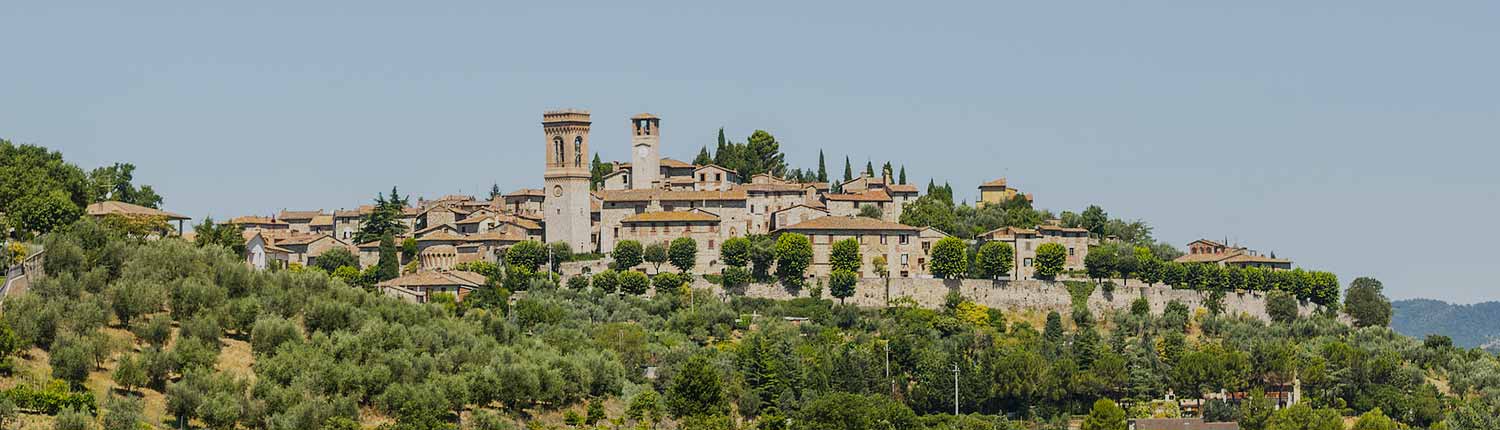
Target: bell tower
645	151
566	178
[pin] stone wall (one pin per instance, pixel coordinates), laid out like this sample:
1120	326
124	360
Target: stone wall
1019	295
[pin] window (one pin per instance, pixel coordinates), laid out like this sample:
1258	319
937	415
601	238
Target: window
905	239
1027	262
905	258
1070	250
882	239
718	177
557	147
578	151
710	244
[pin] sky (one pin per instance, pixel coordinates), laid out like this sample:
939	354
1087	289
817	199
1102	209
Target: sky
1351	136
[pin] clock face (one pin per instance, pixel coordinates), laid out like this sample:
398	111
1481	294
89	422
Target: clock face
643	151
557	191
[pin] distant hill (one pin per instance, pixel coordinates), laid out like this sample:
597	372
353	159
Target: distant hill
1469	325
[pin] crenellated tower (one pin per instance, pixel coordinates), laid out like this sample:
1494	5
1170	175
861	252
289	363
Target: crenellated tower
645	151
566	178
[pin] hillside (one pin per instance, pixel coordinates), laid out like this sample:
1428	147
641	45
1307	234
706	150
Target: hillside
1469	325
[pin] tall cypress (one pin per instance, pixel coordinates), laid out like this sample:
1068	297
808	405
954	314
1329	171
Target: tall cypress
902	181
869	169
822	168
388	268
703	158
848	170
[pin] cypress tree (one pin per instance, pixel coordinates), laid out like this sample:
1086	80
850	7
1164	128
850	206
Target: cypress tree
869	169
702	160
902	181
848	170
388	268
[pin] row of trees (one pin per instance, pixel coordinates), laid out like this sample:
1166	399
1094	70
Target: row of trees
1118	260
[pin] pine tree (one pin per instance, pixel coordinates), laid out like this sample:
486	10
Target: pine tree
495	190
703	157
902	181
869	169
822	168
848	170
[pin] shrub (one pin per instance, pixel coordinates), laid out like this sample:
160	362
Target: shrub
667	283
627	255
272	331
606	281
1281	306
633	282
579	282
995	259
735	278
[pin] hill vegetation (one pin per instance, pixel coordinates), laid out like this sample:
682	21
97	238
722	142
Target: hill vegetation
169	333
1470	326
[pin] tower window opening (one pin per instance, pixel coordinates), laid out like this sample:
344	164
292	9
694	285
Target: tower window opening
578	151
557	145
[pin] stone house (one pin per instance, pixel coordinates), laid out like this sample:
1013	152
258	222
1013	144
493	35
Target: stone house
525	201
321	224
729	206
849	204
1026	241
419	287
1208	251
714	178
796	214
346	223
299	221
261	254
260	223
103	209
897	242
764	200
305	248
663	227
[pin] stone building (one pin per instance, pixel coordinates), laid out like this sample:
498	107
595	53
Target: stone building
897	242
664	227
645	152
1208	251
1026	241
299	221
419	287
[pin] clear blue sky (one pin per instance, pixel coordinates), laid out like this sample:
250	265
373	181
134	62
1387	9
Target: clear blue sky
1352	136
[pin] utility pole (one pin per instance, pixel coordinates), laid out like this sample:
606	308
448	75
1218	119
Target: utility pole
888	368
955	389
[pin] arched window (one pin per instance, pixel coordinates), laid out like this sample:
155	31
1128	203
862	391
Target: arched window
578	151
557	157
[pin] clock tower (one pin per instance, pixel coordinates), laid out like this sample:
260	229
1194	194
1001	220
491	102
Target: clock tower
645	151
566	179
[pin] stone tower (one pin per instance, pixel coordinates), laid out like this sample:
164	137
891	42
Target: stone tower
566	180
645	151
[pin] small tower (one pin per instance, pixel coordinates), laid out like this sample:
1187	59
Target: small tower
645	151
566	179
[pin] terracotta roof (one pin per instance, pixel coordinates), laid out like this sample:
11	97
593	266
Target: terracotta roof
995	183
441	236
361	210
370	244
274	248
495	236
681	180
820	186
1008	231
675	163
800	205
772	188
1250	258
1061	228
902	188
815	204
713	166
526	223
867	196
869	179
122	208
322	220
433	228
286	214
673	216
649	195
439	278
260	220
615	173
644	115
301	239
527	192
1207	242
475	219
848	223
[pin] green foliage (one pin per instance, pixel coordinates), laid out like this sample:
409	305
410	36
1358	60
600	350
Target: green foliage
39	191
388	267
73	419
331	260
383	220
560	252
949	258
49	399
870	211
123	413
761	153
627	255
633	282
845	411
1281	306
529	255
656	254
226	235
735	252
43	212
1050	258
1105	415
607	281
683	254
1302	417
1374	420
995	259
793	255
696	390
1366	304
580	282
667	283
845	256
841	283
